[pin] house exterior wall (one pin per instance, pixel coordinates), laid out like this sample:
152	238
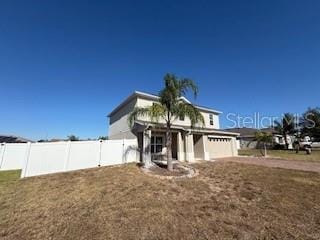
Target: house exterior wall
247	142
119	127
142	102
198	146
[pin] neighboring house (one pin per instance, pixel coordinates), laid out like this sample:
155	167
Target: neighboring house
247	137
13	139
205	142
278	139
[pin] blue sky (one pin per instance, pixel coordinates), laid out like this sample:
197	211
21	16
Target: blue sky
65	64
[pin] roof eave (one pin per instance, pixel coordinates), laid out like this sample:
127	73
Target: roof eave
128	99
208	110
154	97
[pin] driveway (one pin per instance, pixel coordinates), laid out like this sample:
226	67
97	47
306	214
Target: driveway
276	163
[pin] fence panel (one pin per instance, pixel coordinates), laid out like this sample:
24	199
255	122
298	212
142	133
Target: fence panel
83	155
131	151
44	158
12	155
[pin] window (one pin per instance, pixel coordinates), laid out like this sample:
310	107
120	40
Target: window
219	139
156	144
211	119
181	118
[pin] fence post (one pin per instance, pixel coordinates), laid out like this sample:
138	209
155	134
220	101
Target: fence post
26	160
99	152
123	151
67	156
3	149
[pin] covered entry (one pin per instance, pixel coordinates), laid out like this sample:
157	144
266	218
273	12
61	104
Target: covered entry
158	145
152	145
187	144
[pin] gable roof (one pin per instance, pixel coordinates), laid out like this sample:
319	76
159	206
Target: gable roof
156	98
250	132
244	131
269	130
13	139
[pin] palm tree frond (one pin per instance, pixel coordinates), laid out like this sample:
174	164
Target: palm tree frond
186	109
154	112
263	137
157	111
137	112
186	84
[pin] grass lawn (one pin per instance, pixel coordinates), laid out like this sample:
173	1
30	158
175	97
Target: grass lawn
7	178
285	154
226	201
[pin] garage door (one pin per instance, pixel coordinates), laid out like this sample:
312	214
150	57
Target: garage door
219	147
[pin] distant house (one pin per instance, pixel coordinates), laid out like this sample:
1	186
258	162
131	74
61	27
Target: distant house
187	143
247	138
13	139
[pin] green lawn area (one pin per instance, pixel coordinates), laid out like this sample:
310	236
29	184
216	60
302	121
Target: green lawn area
225	201
7	178
285	154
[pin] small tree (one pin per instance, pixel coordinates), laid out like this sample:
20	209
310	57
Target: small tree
263	137
171	107
73	138
103	138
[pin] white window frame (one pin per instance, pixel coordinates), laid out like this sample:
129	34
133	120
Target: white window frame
211	119
155	144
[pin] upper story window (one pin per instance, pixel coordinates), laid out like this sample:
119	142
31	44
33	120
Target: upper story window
211	119
181	118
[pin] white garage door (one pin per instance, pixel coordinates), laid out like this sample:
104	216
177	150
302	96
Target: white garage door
220	147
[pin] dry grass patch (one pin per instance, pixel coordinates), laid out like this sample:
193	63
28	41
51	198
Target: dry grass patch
225	201
284	154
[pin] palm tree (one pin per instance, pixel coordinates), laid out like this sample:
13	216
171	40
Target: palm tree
265	138
171	107
310	123
286	126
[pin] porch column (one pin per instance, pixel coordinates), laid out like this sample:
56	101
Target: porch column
180	147
189	148
147	148
204	143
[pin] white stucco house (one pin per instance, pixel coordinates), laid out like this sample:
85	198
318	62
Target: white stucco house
188	144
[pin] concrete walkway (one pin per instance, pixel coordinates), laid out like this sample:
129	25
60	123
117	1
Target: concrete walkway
277	163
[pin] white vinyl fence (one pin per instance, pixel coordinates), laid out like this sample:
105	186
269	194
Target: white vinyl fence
43	158
12	155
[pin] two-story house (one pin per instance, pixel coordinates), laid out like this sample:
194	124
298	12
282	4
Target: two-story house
188	144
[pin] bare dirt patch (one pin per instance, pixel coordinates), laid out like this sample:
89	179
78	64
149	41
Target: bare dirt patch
179	171
226	200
